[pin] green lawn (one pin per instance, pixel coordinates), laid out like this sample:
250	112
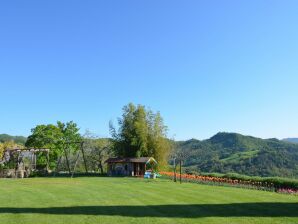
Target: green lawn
129	200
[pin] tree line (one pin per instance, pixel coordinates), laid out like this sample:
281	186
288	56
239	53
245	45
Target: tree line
139	133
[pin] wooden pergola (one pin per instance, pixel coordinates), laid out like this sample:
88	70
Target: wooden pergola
21	153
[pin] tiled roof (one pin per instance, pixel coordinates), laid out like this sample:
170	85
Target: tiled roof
128	160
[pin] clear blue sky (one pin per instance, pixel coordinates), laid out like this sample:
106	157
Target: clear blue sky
207	66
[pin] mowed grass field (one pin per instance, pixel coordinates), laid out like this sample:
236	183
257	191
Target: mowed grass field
132	200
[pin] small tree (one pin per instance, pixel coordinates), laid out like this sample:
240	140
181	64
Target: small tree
98	150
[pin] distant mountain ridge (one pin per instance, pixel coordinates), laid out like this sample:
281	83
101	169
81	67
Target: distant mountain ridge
232	152
16	139
292	140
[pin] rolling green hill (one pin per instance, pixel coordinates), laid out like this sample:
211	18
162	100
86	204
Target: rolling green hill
16	139
231	152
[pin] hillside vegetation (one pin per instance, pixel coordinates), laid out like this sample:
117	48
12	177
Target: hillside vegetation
16	139
231	152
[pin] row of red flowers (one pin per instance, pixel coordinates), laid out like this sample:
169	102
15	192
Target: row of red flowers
228	181
287	191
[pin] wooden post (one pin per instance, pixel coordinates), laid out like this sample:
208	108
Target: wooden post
31	161
137	173
35	166
85	163
17	165
74	168
180	171
67	162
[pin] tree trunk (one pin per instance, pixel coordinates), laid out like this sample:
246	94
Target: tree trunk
101	168
57	165
48	161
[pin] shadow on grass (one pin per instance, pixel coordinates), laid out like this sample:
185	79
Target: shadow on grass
171	211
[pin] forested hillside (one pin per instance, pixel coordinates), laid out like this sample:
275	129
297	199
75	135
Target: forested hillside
16	139
231	152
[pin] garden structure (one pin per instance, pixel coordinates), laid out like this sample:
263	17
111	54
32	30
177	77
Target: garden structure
20	163
134	167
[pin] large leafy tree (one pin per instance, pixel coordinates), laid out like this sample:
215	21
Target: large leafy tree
141	132
62	138
46	136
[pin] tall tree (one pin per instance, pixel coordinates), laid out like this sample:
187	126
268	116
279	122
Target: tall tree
159	144
141	132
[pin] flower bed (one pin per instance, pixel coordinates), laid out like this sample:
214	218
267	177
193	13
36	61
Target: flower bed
253	183
287	191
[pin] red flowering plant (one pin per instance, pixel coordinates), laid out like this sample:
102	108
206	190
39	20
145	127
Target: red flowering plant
253	183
